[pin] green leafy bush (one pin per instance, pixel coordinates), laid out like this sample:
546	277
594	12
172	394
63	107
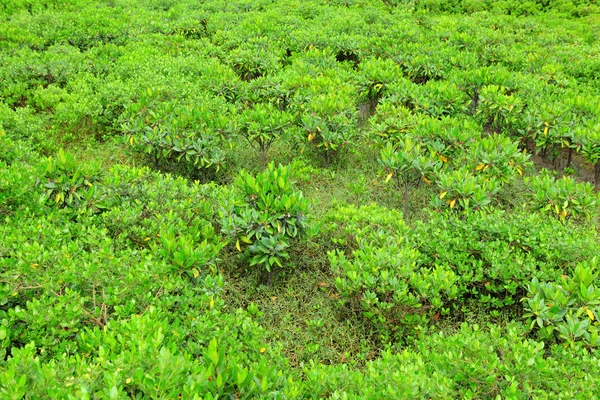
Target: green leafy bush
567	309
384	278
69	183
589	143
187	256
329	123
267	216
196	137
497	157
462	191
563	198
409	165
477	361
261	126
499	108
128	288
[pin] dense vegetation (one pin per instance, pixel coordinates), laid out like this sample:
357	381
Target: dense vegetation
299	199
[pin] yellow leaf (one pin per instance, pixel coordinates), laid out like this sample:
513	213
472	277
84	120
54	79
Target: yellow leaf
237	245
444	159
589	313
546	130
311	136
520	171
564	213
263	349
57	197
146	239
452	203
479	167
34	265
443	194
212	303
128	381
278	227
427	181
131	140
388	177
195	272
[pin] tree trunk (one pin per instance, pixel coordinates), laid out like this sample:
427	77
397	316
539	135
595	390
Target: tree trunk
263	154
203	175
597	175
406	199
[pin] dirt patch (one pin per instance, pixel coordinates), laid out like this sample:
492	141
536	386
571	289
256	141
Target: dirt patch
584	171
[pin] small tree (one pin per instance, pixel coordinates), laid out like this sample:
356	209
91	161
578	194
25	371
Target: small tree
266	217
497	156
262	125
329	122
499	109
69	183
589	140
409	164
461	191
563	198
195	137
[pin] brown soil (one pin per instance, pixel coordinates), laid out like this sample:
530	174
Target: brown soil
584	171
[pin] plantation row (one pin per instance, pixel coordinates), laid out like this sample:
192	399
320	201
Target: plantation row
282	199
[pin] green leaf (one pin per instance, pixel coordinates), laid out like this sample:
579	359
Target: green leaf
212	352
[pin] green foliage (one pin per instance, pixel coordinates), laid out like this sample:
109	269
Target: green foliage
499	109
498	253
434	98
589	143
146	356
567	309
497	157
376	74
462	191
480	362
493	256
267	216
68	183
408	163
390	123
261	126
392	288
196	137
122	282
563	198
329	123
521	8
185	255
